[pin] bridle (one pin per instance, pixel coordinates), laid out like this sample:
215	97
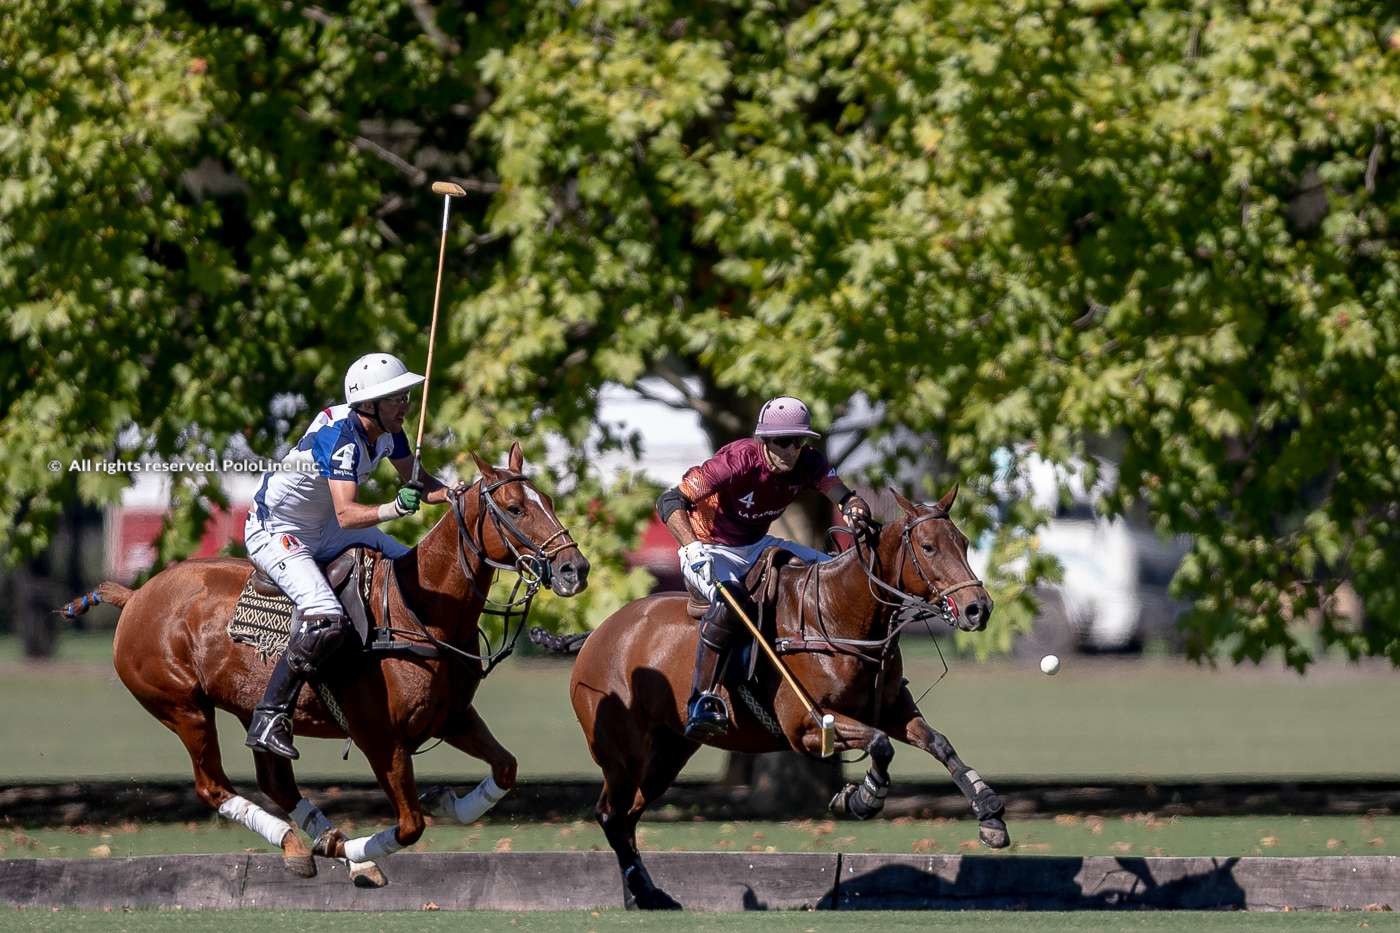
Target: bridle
941	605
532	563
531	566
912	609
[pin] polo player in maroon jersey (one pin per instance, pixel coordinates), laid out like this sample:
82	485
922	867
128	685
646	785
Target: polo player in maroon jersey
720	513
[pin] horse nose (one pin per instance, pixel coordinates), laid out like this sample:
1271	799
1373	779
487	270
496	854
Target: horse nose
978	612
573	574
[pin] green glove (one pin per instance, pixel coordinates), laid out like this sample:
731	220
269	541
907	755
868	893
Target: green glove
407	501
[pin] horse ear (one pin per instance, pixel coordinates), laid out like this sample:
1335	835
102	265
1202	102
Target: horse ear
946	503
517	458
904	503
483	467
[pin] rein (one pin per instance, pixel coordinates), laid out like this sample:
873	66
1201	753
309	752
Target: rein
531	566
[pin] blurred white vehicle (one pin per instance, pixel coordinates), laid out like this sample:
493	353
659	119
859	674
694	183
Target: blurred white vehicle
1113	592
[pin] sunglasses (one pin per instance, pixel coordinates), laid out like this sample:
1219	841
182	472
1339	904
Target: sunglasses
788	443
396	399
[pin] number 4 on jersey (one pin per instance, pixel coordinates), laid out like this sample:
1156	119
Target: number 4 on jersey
345	458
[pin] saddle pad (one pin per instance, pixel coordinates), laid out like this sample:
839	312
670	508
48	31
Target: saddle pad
265	622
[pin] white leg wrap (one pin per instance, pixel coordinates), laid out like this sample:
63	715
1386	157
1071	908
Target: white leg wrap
243	810
368	848
473	806
310	818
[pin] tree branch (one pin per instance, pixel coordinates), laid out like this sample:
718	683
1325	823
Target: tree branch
427	18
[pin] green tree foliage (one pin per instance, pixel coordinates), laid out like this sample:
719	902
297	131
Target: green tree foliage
1166	224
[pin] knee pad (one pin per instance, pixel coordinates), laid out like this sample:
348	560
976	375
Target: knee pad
314	640
718	626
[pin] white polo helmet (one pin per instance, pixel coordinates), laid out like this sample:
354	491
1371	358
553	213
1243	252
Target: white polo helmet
377	375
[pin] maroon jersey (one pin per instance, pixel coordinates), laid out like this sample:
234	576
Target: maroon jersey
735	495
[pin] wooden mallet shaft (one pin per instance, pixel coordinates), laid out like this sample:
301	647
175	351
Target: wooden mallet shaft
448	190
826	721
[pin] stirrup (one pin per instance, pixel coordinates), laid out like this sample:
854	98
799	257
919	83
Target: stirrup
708	716
272	732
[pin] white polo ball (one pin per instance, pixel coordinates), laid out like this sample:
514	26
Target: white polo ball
1049	664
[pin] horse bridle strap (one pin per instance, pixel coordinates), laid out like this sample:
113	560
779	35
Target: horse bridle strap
920	609
533	571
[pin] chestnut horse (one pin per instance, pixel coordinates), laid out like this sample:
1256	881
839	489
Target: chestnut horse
838	628
172	651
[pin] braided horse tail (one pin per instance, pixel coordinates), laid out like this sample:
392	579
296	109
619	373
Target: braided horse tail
558	644
108	592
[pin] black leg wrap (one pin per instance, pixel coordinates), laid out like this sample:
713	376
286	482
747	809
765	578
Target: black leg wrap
987	804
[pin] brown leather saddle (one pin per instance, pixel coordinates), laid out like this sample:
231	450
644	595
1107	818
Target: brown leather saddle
350	574
761	583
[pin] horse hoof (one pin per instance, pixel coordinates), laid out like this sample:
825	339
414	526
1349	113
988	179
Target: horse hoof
839	803
993	834
367	875
655	899
296	857
330	844
437	803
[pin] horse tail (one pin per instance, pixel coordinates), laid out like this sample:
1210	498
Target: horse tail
558	644
108	592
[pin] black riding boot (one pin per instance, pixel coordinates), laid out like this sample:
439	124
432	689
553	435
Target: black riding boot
271	727
708	714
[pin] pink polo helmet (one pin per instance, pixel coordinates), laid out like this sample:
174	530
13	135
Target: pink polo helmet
784	416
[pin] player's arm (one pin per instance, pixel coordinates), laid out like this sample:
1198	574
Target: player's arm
351	514
854	508
674	509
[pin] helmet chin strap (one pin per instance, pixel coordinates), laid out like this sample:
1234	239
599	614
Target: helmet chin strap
373	415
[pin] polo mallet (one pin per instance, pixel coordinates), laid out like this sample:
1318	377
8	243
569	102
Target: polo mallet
828	721
448	190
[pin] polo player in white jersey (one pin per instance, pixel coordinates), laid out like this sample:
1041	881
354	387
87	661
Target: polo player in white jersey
306	513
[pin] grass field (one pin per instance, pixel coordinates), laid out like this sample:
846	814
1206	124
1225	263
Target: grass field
798	922
1141	835
1098	719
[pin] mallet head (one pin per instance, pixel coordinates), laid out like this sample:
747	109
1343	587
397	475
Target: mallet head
449	188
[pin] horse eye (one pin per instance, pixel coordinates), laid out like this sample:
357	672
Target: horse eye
928	548
515	510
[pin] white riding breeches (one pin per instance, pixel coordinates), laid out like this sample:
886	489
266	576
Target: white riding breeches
706	565
289	557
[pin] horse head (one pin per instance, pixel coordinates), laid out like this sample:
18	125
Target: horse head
517	528
931	562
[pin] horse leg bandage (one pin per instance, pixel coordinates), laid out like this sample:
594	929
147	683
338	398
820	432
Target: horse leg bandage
310	818
242	810
471	807
367	848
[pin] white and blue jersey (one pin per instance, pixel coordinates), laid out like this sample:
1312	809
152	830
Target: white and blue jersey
297	497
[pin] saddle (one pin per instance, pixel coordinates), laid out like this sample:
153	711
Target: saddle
760	582
349	574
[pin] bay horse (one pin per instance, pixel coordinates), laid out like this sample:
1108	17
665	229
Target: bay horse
173	653
838	624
